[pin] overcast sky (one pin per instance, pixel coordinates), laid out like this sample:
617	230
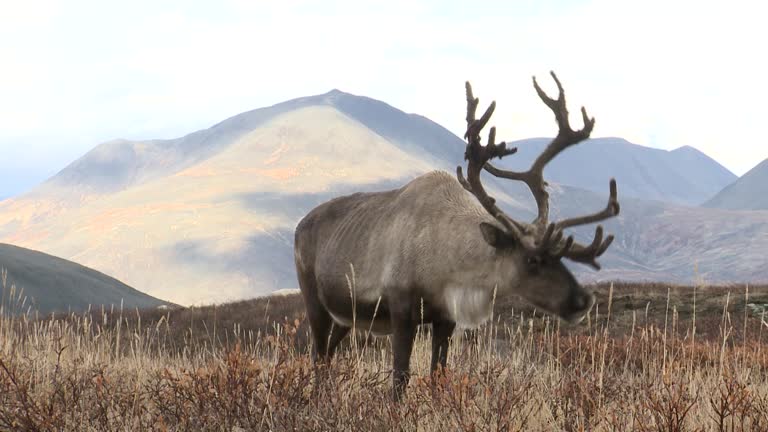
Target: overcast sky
660	73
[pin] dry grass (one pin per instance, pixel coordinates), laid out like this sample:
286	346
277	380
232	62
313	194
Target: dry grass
646	359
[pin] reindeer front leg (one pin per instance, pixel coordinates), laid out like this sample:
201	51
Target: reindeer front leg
403	334
442	330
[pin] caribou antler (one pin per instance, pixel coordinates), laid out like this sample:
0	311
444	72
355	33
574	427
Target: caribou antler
565	138
549	235
611	210
478	155
589	255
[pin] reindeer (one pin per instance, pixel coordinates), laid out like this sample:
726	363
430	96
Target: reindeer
437	251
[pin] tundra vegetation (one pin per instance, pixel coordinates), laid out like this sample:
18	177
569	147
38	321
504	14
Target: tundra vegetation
646	358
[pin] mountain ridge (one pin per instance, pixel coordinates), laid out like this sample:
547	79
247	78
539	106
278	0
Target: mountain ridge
749	192
413	132
642	172
116	164
216	223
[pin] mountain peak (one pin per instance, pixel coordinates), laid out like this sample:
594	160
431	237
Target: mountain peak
686	148
334	95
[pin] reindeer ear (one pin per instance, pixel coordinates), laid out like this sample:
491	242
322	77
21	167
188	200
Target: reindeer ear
495	236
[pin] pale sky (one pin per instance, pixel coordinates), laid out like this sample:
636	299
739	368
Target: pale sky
660	73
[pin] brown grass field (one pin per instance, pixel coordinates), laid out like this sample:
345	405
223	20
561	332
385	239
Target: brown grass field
648	358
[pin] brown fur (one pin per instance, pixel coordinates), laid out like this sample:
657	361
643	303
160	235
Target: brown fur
425	253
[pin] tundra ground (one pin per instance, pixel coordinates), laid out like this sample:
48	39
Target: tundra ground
649	357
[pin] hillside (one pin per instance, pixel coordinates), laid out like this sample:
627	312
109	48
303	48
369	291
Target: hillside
209	217
220	229
119	164
657	241
750	192
682	176
52	284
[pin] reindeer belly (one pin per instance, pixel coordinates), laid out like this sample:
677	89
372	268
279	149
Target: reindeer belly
365	316
378	326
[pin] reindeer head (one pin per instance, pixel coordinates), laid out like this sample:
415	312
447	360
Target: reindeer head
534	251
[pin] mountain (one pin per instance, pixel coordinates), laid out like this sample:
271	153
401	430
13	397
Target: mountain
52	284
656	241
750	192
682	176
119	164
209	217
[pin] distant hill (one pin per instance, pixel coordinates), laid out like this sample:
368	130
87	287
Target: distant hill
682	176
750	192
52	284
119	164
657	241
209	217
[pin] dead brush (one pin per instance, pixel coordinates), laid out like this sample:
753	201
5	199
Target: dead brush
238	389
94	395
731	403
576	403
522	372
666	405
467	401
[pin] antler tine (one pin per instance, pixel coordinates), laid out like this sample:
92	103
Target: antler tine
612	209
565	138
462	180
606	244
589	254
556	105
477	156
472	103
475	126
564	250
546	240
